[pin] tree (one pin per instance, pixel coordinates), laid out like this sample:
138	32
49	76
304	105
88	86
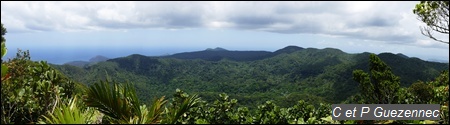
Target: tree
3	33
30	89
422	92
3	53
435	15
381	85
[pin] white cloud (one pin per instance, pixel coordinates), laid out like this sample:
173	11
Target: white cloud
380	21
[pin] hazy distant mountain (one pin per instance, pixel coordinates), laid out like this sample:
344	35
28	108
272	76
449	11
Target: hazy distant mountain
91	61
430	60
438	60
310	73
98	59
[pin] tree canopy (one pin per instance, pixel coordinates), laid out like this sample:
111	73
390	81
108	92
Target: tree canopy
435	15
381	86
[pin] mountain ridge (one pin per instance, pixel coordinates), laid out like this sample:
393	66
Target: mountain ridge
216	49
220	53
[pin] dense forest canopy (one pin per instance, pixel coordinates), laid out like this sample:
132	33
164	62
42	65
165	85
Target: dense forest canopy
287	75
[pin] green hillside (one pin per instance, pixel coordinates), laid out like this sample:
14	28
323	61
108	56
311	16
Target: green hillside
314	75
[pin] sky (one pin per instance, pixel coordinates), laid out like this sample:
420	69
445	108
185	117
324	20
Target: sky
60	32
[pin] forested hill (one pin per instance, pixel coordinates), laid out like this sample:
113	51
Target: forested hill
285	76
220	53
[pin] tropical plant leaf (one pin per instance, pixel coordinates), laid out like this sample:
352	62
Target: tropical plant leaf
121	104
154	114
68	113
117	102
176	113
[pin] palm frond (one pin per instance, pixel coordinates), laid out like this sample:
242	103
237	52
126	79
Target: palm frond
177	113
118	102
68	113
154	114
121	104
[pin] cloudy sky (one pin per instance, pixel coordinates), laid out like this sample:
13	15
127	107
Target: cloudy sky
67	31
